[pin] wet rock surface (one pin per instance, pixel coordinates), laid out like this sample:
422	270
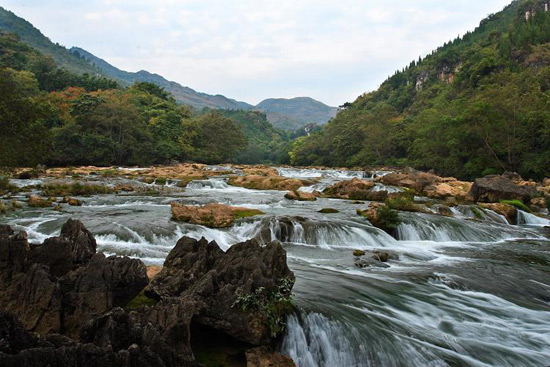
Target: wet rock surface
355	189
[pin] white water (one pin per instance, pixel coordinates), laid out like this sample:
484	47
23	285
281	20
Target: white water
531	219
463	293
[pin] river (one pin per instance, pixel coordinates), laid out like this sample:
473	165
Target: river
463	292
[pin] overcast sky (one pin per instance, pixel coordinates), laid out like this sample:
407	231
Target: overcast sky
250	50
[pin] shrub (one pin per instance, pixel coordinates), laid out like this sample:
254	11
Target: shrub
388	218
275	302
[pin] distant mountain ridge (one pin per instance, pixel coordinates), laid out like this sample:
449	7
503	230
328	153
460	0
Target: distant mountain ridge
289	114
296	112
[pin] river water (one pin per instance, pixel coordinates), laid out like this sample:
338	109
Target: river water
463	292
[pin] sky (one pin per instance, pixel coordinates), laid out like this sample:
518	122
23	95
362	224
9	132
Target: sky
250	50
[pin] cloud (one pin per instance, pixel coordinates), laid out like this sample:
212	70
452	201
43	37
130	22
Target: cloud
255	49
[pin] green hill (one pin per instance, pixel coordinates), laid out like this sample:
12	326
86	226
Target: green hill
295	113
476	105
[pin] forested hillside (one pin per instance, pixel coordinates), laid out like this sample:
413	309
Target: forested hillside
50	115
477	105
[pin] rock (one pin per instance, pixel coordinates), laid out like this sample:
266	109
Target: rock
268	182
125	188
58	285
384	256
493	188
539	202
153	270
509	211
93	290
301	196
381	195
107	342
358	253
355	189
260	171
74	202
263	357
36	201
329	211
366	262
200	273
444	190
444	210
212	215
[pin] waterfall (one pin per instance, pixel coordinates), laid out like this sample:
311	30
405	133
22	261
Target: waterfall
315	341
531	219
210	184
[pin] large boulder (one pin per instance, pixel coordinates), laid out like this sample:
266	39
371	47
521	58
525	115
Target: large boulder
212	215
301	196
493	188
220	285
355	189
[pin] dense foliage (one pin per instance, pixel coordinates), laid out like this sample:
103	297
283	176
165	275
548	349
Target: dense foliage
477	105
50	115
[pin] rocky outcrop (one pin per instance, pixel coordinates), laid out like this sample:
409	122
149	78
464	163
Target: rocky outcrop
428	184
494	188
72	298
218	283
56	286
212	215
116	339
256	182
355	189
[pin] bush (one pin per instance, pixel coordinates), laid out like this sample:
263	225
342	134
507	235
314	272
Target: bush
275	302
388	219
76	188
518	204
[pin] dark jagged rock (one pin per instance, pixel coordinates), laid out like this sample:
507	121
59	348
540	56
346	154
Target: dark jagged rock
114	340
71	297
56	286
493	188
201	273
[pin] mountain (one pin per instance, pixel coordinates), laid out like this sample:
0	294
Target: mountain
477	105
288	114
9	22
292	114
184	95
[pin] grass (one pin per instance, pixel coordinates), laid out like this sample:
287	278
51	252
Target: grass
329	211
477	212
140	300
76	188
245	213
518	204
403	202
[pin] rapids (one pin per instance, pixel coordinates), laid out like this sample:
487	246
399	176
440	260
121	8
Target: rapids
464	292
